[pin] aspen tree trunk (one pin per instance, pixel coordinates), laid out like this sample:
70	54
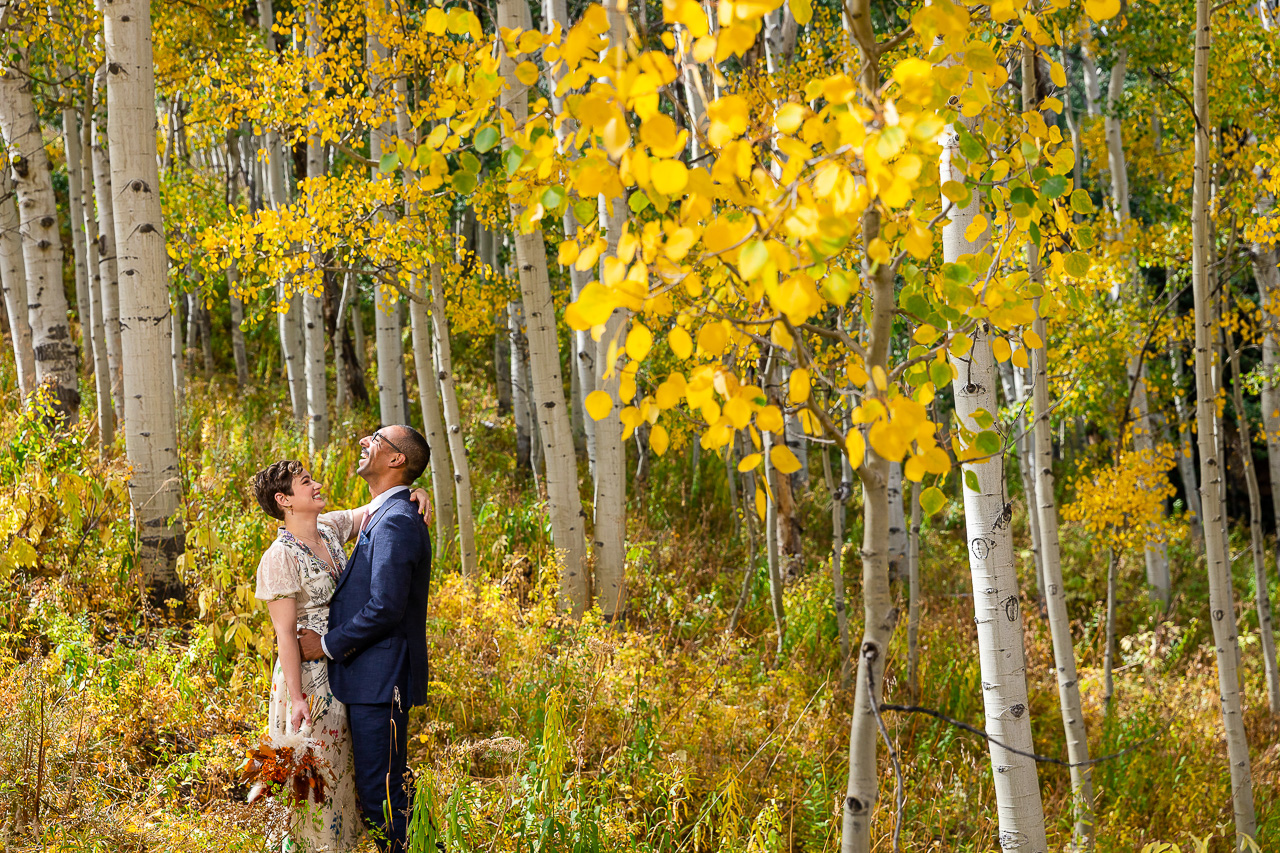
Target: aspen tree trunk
313	296
1266	628
390	348
1043	508
584	348
52	346
233	272
433	422
79	249
453	427
913	596
13	275
897	525
1186	459
610	528
554	429
151	441
1109	641
177	368
1015	394
749	573
1221	597
1265	259
772	479
1089	69
996	599
85	238
1156	553
502	363
109	291
837	565
519	388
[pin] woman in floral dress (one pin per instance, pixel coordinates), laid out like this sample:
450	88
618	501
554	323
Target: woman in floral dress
296	577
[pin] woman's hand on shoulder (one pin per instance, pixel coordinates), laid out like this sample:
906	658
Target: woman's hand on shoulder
423	500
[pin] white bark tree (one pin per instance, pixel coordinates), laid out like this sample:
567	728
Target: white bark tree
553	425
1221	598
996	597
52	346
13	278
151	440
109	277
432	418
313	296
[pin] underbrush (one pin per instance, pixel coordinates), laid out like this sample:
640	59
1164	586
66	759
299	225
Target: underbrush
122	728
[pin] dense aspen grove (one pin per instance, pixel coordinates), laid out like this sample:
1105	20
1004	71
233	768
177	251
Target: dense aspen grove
854	426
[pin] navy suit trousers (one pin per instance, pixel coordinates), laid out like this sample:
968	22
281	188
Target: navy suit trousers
380	737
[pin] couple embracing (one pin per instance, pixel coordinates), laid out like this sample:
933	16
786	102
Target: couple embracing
351	637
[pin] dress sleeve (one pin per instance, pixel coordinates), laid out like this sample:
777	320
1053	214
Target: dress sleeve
277	575
340	521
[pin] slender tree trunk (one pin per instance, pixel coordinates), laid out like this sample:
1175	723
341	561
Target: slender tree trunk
1221	597
1015	394
433	422
519	388
996	597
773	481
177	367
913	596
102	367
79	247
1109	642
107	269
53	348
1186	459
749	572
554	428
13	274
453	427
238	350
897	525
1262	601
1265	259
151	441
502	362
836	491
313	326
1042	506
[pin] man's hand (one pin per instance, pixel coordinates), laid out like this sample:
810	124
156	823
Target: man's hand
309	642
423	500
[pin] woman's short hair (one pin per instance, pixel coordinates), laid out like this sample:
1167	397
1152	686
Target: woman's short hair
276	478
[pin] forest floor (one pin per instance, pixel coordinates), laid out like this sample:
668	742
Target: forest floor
122	728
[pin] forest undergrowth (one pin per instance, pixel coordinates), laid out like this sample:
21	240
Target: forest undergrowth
122	728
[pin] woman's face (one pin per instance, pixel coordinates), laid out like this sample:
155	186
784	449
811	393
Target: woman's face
306	497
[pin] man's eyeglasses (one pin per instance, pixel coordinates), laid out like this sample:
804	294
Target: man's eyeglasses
378	436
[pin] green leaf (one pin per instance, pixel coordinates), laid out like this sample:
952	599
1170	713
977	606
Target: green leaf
957	273
1080	202
1022	195
971	481
586	210
638	201
932	500
1054	186
971	148
989	442
552	198
469	162
388	162
463	182
486	138
1084	236
1077	264
1030	151
939	374
836	287
512	160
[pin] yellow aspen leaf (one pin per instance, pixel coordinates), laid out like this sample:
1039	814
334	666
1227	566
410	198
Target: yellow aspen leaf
761	505
878	376
889	441
680	341
598	404
668	395
436	21
1000	349
627	385
669	177
658	439
925	335
856	446
568	253
769	419
914	469
594	305
1058	75
712	338
749	461
932	500
1019	357
914	77
639	342
857	375
802	9
936	461
1102	10
1031	339
783	459
738	411
789	117
798	386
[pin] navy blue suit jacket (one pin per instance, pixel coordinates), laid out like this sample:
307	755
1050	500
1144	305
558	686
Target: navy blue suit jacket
378	614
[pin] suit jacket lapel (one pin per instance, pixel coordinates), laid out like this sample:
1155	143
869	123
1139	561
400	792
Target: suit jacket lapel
362	538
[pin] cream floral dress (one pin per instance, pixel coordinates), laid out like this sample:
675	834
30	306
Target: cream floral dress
289	569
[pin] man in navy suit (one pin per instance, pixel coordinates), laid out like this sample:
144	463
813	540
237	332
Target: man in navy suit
377	637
